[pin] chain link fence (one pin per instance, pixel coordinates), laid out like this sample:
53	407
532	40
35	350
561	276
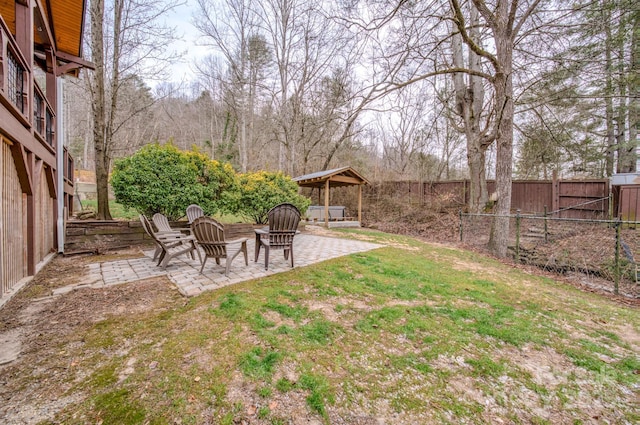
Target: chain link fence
601	253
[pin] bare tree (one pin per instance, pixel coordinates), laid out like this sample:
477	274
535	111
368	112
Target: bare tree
418	38
305	108
125	43
78	119
634	80
98	95
307	50
232	31
211	72
504	19
406	128
470	107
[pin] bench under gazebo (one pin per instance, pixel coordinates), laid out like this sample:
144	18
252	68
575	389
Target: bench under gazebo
325	180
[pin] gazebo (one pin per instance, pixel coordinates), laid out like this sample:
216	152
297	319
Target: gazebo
345	176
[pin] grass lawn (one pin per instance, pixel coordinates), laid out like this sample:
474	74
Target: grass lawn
408	334
118	212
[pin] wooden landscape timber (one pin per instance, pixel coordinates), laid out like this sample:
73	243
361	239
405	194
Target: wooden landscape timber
99	236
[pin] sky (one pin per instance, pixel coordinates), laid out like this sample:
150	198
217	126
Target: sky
188	42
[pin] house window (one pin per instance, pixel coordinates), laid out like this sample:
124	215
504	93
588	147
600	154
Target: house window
16	82
38	106
50	131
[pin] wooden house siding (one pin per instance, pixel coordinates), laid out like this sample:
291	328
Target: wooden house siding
45	226
45	35
12	226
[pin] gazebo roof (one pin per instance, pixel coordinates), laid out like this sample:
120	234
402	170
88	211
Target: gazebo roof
345	176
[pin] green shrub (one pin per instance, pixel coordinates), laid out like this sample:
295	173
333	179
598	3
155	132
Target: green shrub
258	192
164	179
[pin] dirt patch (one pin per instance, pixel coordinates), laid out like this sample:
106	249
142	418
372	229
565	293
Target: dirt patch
35	329
11	343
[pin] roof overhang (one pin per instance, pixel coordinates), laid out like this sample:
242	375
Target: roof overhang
58	30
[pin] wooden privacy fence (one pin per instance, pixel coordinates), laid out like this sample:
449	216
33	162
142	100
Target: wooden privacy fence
562	198
628	202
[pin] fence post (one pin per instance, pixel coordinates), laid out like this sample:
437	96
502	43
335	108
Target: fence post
517	236
610	202
616	278
460	223
546	227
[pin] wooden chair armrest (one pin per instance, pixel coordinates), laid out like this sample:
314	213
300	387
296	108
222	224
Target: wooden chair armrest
236	241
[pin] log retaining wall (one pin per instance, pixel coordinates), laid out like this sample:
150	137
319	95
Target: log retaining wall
96	236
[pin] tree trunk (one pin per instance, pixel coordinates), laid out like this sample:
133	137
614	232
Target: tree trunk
243	83
503	33
476	159
469	104
499	238
634	85
87	143
608	95
99	112
626	145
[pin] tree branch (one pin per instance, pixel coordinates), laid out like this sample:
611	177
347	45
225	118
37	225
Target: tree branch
458	19
524	18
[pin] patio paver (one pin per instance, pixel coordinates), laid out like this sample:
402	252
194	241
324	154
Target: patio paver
184	271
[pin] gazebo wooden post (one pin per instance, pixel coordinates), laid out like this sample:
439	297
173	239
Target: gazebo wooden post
360	204
345	176
326	204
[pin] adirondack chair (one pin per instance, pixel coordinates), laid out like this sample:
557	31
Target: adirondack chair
162	234
169	246
283	226
209	235
194	211
162	224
